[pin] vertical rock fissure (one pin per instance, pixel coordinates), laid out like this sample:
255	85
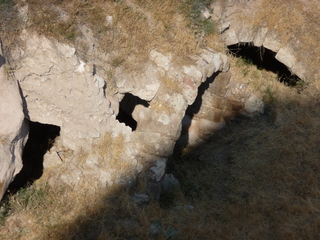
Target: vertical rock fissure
192	109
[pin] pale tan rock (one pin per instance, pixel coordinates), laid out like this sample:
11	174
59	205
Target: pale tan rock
286	56
193	134
231	37
167	125
13	128
160	59
254	104
61	89
299	70
272	42
207	127
152	143
260	36
143	85
52	158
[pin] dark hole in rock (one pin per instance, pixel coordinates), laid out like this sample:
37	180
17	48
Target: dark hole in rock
40	140
264	58
127	105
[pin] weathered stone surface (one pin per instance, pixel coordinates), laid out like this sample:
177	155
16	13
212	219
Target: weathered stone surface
207	127
159	168
152	143
61	89
194	73
163	123
52	158
245	34
286	56
207	63
189	89
13	128
231	38
299	70
260	36
222	100
162	61
177	102
254	104
220	84
272	42
143	85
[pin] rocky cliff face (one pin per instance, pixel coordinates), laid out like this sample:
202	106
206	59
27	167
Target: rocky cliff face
95	143
62	90
116	124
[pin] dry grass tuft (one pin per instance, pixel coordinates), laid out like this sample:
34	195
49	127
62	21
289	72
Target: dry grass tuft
130	28
258	178
111	150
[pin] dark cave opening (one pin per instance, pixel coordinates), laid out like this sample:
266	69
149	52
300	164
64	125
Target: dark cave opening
127	105
264	58
41	139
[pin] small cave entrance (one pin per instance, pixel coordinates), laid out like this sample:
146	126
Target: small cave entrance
41	139
127	105
264	58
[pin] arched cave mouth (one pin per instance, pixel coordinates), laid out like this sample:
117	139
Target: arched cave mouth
264	58
41	139
127	105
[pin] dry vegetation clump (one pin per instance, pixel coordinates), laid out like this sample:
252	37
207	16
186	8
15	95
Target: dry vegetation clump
111	150
129	28
10	26
256	179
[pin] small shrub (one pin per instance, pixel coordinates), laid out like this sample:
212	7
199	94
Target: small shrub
209	26
301	84
167	233
241	61
192	9
117	61
28	198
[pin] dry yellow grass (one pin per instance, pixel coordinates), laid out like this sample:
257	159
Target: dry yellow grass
136	28
111	150
266	188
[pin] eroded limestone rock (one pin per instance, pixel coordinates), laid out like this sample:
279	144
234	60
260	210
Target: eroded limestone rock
13	128
222	100
61	89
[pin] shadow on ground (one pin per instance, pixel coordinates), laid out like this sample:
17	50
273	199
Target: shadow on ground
255	179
